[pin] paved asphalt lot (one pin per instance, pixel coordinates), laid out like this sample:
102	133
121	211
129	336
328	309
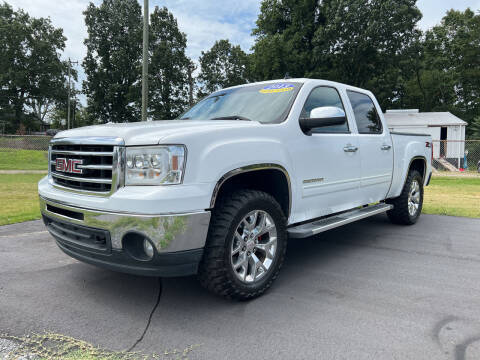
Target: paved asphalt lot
370	290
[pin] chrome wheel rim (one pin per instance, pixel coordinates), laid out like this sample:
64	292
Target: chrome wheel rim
414	198
254	246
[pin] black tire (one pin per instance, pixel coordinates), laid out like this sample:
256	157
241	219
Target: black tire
216	272
400	213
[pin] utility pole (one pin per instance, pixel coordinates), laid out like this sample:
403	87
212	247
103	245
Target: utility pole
191	69
74	119
145	62
70	62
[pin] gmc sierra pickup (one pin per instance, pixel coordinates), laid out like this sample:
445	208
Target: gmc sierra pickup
218	191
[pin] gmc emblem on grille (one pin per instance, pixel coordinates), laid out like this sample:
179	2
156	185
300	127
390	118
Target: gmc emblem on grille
68	165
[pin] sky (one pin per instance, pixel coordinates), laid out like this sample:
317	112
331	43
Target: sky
204	21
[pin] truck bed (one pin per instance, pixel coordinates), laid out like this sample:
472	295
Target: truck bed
408	147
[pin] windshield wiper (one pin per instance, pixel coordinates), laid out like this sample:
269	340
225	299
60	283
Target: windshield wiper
232	117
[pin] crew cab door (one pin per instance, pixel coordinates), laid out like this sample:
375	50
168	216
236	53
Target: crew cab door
327	163
375	148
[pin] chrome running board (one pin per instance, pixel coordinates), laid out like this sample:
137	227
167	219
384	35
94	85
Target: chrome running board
318	226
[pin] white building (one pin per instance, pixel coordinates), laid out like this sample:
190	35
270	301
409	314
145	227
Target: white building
440	125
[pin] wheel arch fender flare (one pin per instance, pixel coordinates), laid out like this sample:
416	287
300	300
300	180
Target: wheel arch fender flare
412	160
252	168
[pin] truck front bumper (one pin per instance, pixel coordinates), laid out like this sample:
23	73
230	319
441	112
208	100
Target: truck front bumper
115	240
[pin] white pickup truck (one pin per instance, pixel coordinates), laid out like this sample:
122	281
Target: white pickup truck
219	191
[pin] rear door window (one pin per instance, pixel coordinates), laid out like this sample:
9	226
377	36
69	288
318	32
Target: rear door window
366	116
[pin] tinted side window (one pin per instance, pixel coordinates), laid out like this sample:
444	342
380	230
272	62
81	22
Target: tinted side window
324	96
366	116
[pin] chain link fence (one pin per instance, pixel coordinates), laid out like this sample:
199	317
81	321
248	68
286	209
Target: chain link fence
447	155
456	155
24	153
24	142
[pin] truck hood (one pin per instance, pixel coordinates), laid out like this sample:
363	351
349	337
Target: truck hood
154	132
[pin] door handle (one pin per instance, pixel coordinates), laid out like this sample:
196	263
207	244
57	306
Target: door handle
350	148
386	147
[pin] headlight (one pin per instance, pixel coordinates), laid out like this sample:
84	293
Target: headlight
155	165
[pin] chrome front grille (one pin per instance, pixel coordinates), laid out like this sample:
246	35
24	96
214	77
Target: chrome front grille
87	165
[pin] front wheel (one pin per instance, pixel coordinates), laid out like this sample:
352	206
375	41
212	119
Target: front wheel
408	206
245	246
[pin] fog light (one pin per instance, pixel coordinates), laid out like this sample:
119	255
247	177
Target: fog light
138	246
148	248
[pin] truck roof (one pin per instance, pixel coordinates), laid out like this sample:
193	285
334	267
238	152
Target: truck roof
303	80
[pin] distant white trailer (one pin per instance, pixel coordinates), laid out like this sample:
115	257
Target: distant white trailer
447	131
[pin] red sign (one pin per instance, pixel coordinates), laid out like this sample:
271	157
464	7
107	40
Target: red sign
68	165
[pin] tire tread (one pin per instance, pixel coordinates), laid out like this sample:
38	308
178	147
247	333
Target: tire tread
213	273
399	214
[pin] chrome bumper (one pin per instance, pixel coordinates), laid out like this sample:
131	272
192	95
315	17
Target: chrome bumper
168	232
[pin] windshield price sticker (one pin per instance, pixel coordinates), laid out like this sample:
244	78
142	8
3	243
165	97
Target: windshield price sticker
277	88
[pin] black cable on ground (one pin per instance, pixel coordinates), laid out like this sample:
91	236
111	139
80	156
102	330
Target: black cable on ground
150	317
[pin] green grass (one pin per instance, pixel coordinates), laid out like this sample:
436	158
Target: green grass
19	198
23	160
51	346
454	196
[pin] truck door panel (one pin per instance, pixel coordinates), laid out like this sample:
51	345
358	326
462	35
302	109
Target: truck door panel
375	148
326	162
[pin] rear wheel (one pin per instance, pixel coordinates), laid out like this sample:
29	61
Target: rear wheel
408	206
245	246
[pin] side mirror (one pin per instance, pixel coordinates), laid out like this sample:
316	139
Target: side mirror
322	116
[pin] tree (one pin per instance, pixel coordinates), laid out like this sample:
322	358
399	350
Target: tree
453	50
222	66
351	41
112	63
445	75
79	116
42	108
474	128
31	72
283	38
426	85
168	68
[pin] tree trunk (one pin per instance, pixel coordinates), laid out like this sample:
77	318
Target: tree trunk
18	106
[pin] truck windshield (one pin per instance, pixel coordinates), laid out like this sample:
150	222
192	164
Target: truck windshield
265	103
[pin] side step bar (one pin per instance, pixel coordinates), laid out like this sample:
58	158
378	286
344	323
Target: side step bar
318	226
